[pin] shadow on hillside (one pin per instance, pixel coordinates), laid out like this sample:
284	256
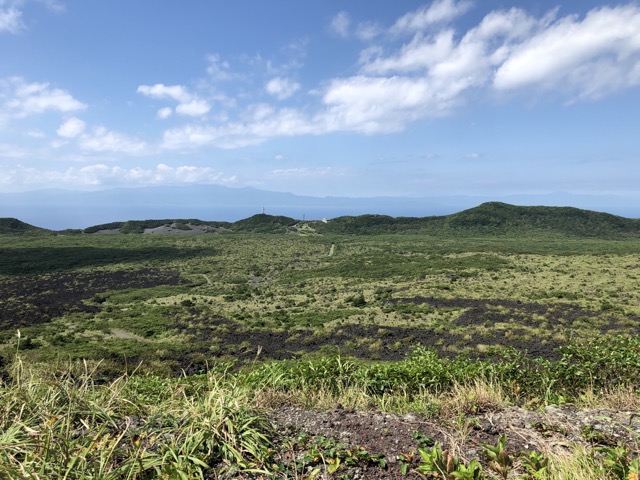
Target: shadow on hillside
22	261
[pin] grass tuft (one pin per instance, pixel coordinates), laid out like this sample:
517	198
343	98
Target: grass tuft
63	425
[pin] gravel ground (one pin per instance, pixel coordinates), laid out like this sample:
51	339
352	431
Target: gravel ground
555	429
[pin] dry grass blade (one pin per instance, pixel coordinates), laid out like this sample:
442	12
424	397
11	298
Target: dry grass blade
66	426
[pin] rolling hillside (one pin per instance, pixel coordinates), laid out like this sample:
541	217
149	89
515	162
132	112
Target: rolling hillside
492	218
144	226
502	218
13	226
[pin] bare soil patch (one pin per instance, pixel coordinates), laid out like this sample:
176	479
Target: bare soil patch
398	437
35	299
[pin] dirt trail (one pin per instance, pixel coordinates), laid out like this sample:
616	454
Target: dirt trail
126	335
203	275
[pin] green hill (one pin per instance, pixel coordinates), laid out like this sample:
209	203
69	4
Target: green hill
139	226
379	224
13	226
263	223
492	218
502	218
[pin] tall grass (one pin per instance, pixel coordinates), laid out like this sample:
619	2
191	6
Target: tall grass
63	422
64	425
608	365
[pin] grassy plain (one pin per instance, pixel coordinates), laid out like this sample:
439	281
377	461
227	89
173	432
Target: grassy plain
191	300
389	321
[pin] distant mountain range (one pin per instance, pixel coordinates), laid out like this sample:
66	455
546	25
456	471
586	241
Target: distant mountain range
492	218
60	209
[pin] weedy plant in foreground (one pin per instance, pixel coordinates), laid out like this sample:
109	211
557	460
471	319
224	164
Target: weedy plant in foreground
499	459
447	466
66	426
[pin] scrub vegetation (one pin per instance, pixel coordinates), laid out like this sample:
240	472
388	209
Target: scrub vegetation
486	344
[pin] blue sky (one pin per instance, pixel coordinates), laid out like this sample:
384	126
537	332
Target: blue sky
322	97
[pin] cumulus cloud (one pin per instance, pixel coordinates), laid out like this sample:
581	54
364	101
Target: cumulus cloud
592	56
188	104
420	53
104	175
437	69
160	90
282	88
194	108
439	11
71	128
11	151
340	24
378	104
443	55
508	50
368	30
11	14
36	133
303	172
100	139
164	112
10	19
25	99
219	69
260	123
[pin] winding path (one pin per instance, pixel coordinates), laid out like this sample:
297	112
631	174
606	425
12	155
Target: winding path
126	335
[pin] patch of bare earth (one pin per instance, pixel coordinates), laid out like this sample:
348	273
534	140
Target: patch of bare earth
554	430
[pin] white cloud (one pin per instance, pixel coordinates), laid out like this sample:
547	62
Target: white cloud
427	76
261	123
219	69
10	20
282	88
259	112
190	136
378	104
160	90
194	108
369	54
36	133
435	71
368	30
439	11
71	128
54	5
442	54
592	56
507	50
188	104
11	151
102	140
340	24
25	99
164	113
421	53
109	176
11	14
302	172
